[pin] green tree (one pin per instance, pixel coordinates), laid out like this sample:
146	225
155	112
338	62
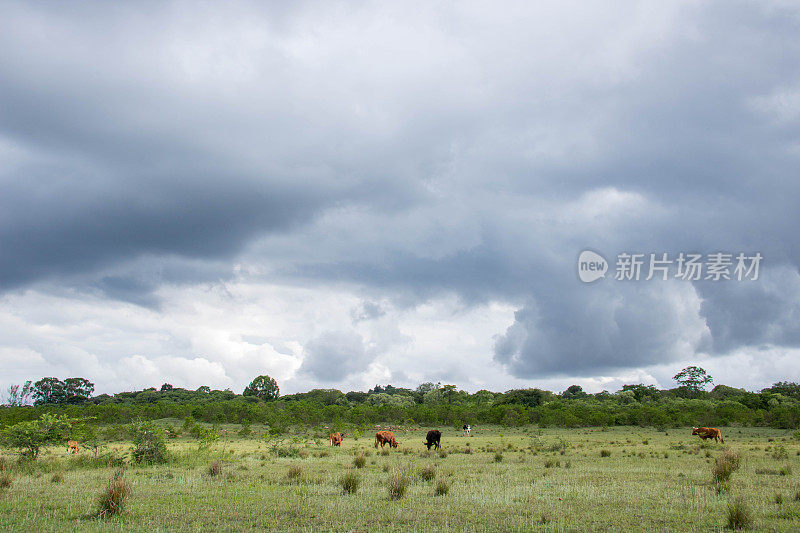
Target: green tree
693	378
49	390
31	435
263	387
18	395
77	390
574	391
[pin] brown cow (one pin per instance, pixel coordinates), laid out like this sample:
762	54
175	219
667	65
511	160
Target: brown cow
708	433
385	437
72	447
336	439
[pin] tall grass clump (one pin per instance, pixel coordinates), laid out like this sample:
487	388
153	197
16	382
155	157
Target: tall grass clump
427	473
111	500
214	469
725	466
498	457
398	483
294	473
350	482
739	514
6	479
359	461
441	488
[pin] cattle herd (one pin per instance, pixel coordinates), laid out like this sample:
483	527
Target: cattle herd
434	437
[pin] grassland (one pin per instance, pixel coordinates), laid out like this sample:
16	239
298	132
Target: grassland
512	480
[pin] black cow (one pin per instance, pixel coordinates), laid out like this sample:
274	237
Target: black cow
433	438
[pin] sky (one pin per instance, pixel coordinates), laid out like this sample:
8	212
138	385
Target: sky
345	194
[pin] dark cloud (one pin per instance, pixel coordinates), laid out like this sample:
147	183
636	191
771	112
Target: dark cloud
449	151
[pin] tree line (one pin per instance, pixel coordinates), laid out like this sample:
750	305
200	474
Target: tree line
429	403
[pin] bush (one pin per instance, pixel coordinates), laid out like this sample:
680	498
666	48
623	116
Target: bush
739	514
148	444
398	482
111	500
31	435
214	469
349	482
441	488
245	430
498	457
359	461
427	473
605	453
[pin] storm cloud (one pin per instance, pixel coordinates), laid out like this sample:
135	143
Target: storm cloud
353	182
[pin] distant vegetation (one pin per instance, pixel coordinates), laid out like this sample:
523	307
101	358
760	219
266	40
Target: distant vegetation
430	404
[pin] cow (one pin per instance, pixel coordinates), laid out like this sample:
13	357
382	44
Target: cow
466	429
385	437
72	447
433	439
708	433
336	439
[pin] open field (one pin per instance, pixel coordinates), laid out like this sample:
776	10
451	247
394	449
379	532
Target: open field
513	479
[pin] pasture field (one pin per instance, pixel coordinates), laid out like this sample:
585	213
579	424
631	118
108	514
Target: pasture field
615	479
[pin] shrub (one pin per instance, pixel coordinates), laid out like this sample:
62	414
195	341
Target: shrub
498	457
441	488
359	461
148	444
427	473
739	514
214	468
31	435
245	430
295	473
349	482
111	500
398	482
605	453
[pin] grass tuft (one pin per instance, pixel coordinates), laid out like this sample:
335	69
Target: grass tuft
111	500
350	482
427	473
214	469
359	461
294	473
441	488
398	483
739	514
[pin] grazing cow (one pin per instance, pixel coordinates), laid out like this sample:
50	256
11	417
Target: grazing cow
433	439
336	439
708	433
385	437
466	429
72	447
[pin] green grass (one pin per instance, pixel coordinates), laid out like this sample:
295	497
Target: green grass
547	480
